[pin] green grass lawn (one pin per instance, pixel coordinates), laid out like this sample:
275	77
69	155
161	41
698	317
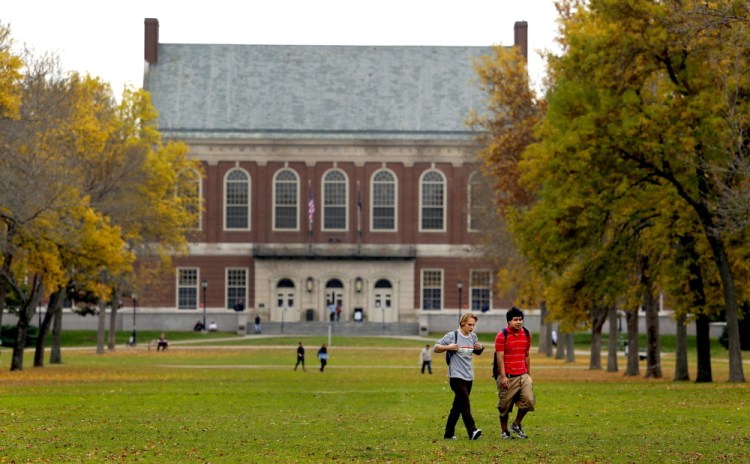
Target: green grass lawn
241	402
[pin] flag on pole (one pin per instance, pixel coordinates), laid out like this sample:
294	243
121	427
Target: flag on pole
310	206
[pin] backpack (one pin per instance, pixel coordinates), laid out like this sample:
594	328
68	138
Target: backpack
448	354
495	371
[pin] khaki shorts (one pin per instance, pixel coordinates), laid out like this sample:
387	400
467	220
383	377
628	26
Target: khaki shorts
520	392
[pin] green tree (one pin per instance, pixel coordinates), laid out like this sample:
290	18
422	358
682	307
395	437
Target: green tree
659	90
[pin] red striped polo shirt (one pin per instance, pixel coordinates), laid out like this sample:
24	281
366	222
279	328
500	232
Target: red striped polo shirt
516	347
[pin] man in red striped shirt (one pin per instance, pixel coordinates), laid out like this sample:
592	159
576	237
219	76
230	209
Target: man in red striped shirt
514	386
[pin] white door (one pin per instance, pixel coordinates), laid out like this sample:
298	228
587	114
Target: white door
383	302
285	304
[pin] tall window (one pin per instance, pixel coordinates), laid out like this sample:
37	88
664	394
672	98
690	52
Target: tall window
334	201
237	200
187	288
285	200
432	289
475	210
432	197
189	193
236	287
480	290
383	201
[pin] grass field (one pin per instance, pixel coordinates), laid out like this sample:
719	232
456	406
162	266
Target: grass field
239	401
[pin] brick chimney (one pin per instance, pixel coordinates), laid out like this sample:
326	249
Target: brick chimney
521	37
152	40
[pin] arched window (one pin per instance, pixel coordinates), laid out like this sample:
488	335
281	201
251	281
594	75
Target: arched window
334	200
237	200
189	190
383	283
383	196
285	200
432	200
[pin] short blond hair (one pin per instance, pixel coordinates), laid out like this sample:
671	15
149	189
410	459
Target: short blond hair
465	317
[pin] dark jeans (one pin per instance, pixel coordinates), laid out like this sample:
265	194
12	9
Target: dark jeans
427	364
461	407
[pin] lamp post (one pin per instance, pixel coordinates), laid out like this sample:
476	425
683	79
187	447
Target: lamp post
460	285
204	284
135	303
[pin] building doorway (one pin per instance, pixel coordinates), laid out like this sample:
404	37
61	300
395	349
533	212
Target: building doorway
334	295
383	301
285	301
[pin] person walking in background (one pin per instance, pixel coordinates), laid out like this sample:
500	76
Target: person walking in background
257	324
300	357
332	311
426	357
511	371
323	356
460	346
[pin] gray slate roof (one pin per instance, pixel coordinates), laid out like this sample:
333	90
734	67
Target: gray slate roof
290	91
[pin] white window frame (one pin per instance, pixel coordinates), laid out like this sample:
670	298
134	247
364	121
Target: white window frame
422	205
324	200
296	204
373	200
423	287
179	285
226	200
228	286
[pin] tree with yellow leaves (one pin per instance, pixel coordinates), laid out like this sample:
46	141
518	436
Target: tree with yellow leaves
88	186
657	92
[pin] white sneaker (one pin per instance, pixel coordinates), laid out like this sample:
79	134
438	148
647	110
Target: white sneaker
518	431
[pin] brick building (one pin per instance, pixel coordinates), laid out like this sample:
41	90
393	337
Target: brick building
332	173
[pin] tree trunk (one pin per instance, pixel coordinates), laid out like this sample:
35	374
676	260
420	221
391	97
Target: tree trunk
560	348
544	339
548	328
24	316
703	345
570	355
681	371
5	273
650	303
113	321
102	321
736	373
3	287
44	328
612	345
598	318
55	354
633	365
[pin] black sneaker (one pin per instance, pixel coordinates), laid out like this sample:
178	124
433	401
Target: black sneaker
518	431
506	436
475	434
451	438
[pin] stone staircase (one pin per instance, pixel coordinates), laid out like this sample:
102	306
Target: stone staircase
342	329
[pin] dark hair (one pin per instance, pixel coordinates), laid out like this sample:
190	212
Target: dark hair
513	312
